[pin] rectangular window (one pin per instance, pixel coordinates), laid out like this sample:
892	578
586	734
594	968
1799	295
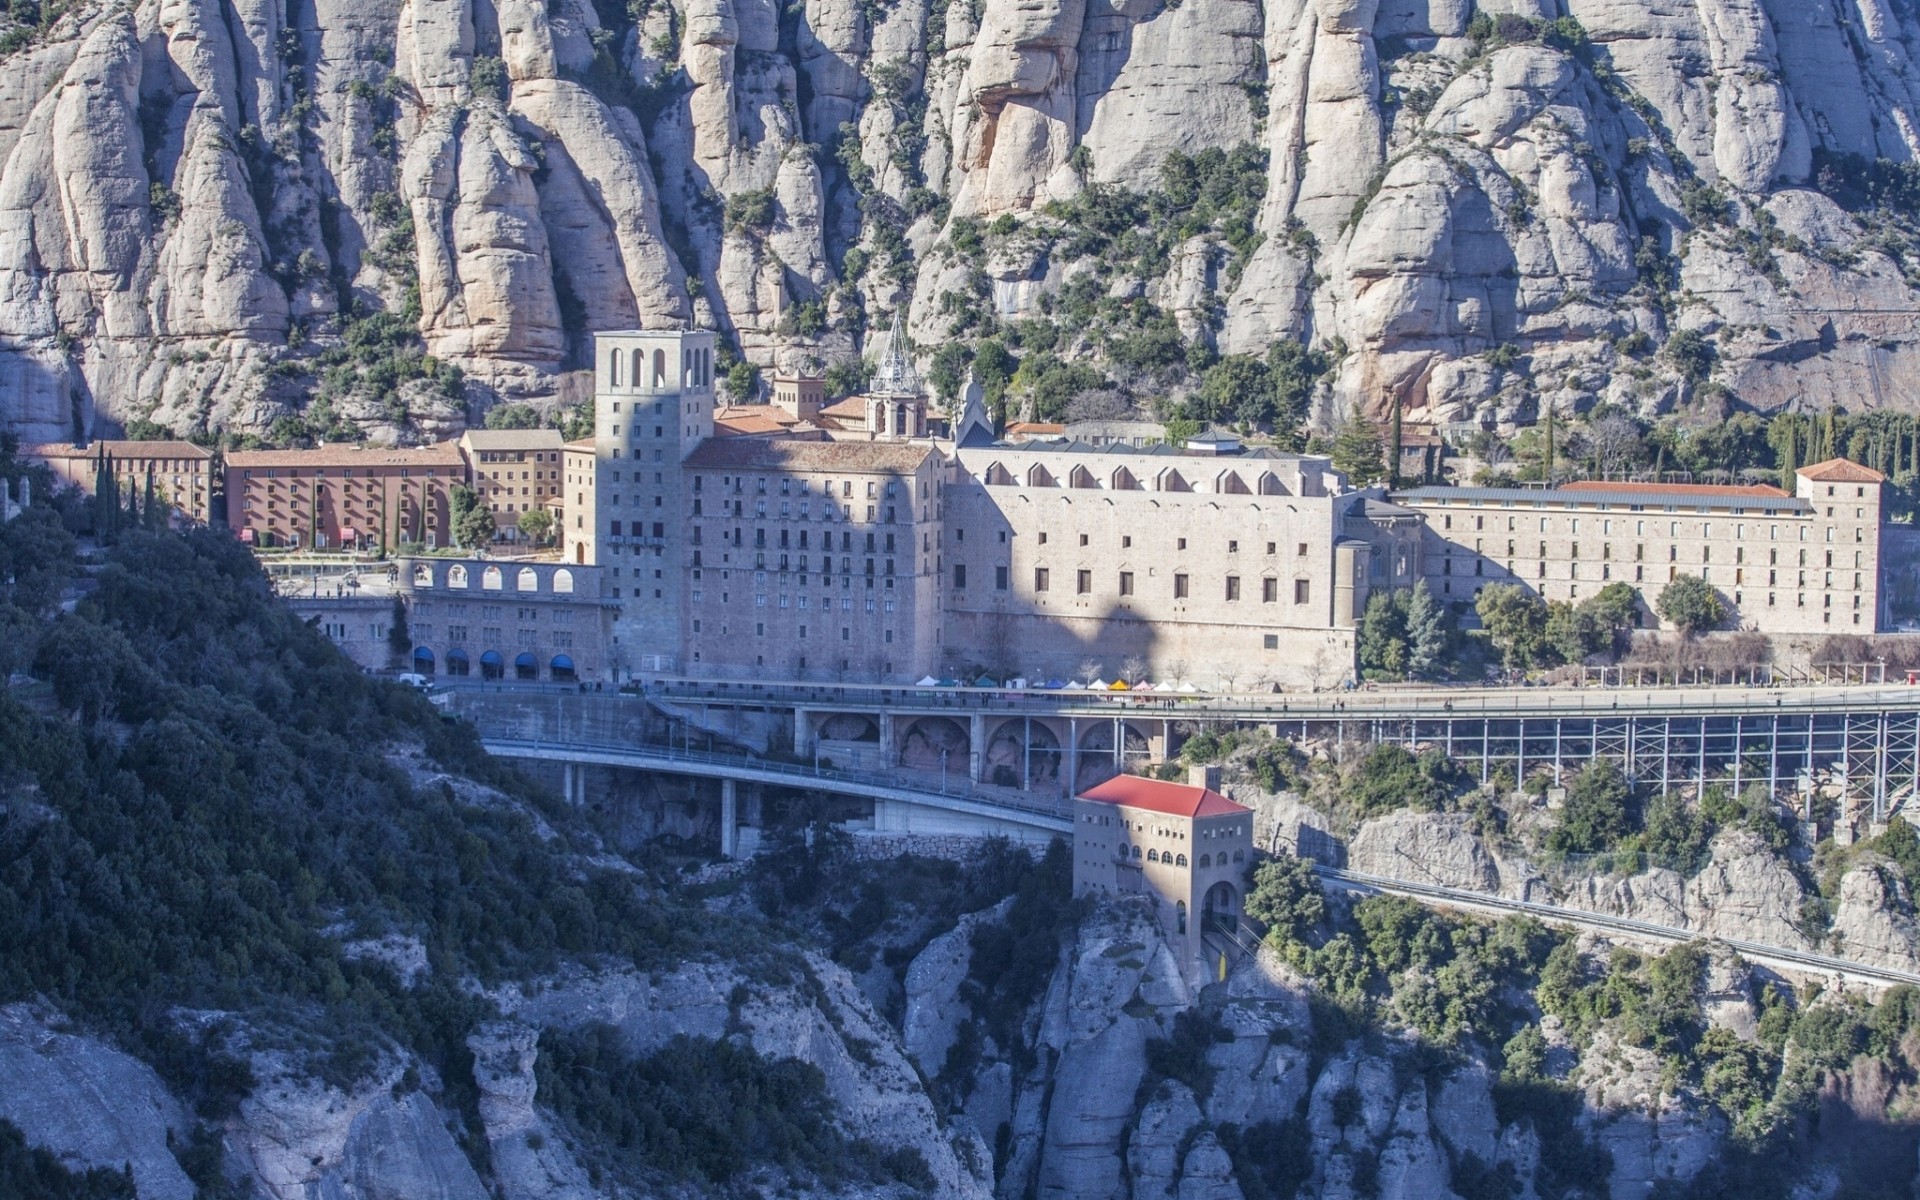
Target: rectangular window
1180	585
960	575
1270	641
1233	587
1302	590
999	579
1126	583
1270	590
1040	579
1083	582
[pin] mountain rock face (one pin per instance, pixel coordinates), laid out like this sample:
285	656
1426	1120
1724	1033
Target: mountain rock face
1478	207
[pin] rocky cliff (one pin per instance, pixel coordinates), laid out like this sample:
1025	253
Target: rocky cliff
223	214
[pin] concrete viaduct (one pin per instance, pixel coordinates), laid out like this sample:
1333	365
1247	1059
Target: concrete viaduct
1026	751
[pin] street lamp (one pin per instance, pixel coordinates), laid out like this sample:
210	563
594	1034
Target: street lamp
943	771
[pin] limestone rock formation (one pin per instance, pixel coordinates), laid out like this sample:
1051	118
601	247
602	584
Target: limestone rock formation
198	203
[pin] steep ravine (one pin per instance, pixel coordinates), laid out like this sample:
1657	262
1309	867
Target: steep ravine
217	215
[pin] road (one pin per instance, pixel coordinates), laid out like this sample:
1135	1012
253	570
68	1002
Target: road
1778	957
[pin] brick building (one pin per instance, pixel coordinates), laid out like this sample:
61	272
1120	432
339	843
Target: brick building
344	496
514	471
182	472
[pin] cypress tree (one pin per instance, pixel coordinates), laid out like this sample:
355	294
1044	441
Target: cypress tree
1393	464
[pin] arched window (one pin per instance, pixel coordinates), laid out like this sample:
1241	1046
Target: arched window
423	575
1180	909
1179	860
563	581
1136	854
456	576
527	580
613	369
1239	856
491	579
1153	856
659	368
635	381
1206	860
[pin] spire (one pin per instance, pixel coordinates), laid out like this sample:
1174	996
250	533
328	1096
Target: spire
895	374
974	427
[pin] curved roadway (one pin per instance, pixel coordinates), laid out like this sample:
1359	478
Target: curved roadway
1773	956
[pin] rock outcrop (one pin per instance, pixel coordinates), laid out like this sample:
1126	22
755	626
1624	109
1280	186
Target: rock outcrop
196	199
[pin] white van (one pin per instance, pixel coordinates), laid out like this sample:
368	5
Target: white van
414	681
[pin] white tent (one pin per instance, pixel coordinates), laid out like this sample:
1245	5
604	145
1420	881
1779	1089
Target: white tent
929	681
1098	685
1165	685
1186	689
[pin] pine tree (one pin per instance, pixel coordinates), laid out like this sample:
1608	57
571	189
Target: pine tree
156	519
1393	465
1426	632
1356	448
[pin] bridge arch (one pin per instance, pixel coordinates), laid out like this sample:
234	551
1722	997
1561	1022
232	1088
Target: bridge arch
927	739
1023	751
1097	758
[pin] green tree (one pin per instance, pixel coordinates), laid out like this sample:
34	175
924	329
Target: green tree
1356	449
1428	635
1516	621
1598	811
1287	899
399	637
1615	612
1691	604
537	525
1676	834
472	521
1384	652
1237	388
514	416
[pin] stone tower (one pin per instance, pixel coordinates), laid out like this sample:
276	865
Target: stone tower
653	403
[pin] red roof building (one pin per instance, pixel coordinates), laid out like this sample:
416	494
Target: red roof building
1840	470
1183	844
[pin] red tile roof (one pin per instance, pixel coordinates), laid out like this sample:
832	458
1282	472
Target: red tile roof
119	449
1675	489
1840	470
353	454
1171	799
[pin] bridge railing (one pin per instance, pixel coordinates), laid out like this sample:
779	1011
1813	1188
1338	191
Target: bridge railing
897	781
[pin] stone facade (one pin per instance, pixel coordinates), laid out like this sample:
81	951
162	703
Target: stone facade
580	473
1184	844
481	619
653	403
813	558
861	557
1237	569
181	471
1806	563
359	625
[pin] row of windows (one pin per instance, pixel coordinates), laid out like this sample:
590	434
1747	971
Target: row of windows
1674	528
1179	860
760	630
1182	584
737	484
828	511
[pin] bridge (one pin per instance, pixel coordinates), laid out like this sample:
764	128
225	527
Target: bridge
902	803
1862	741
622	732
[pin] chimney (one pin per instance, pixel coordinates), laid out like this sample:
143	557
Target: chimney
1204	777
